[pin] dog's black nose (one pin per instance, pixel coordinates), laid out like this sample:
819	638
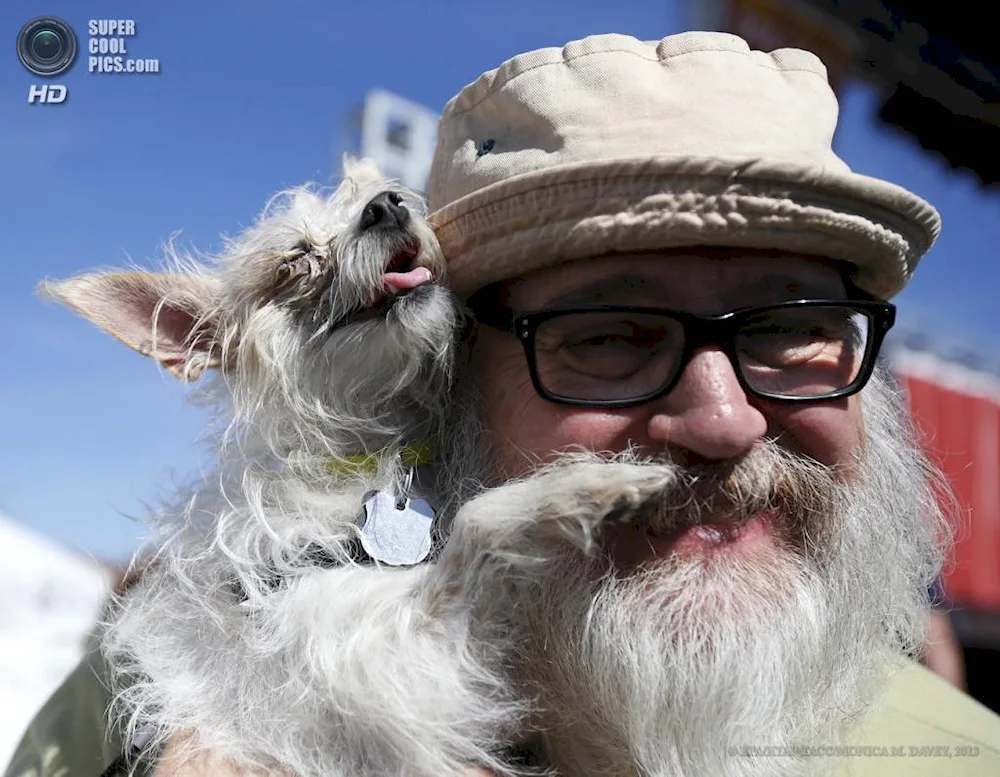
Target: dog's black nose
386	210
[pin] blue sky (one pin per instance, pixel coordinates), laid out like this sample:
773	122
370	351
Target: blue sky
253	97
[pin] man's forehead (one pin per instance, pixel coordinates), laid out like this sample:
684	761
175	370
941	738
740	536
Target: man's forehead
708	277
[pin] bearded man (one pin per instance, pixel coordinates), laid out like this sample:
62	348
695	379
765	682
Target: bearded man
668	262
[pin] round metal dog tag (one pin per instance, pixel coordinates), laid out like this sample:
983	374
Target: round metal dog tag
396	532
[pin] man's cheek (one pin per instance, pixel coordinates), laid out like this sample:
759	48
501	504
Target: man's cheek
595	429
831	432
508	390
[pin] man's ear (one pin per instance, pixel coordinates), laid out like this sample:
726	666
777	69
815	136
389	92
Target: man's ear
161	315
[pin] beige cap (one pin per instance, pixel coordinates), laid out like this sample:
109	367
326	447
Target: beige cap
613	144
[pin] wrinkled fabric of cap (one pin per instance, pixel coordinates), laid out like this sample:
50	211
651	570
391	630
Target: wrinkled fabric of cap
611	144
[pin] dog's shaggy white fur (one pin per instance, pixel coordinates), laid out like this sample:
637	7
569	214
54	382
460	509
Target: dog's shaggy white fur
236	633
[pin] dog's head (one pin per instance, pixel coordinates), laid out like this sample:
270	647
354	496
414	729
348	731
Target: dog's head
327	312
362	254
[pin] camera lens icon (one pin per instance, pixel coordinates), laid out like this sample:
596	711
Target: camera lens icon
46	46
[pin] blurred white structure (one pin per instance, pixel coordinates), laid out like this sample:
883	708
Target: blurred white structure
50	599
399	135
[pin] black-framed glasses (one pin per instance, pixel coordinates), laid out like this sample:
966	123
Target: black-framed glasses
619	355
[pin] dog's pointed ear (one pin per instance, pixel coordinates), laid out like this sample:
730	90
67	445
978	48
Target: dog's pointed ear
165	316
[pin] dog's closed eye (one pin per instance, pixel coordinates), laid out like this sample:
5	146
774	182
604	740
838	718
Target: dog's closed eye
284	269
304	259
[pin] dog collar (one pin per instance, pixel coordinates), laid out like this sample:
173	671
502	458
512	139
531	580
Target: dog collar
411	457
416	455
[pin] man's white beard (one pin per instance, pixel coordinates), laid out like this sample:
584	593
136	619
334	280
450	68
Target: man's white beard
674	668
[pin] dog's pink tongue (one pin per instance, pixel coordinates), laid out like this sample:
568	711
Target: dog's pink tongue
397	281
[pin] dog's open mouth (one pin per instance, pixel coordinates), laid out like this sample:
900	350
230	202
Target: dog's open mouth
401	275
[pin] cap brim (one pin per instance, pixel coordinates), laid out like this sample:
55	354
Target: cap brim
540	219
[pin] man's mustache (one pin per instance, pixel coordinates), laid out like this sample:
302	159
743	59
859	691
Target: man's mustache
769	477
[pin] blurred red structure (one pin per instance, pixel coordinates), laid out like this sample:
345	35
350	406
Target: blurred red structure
957	411
955	404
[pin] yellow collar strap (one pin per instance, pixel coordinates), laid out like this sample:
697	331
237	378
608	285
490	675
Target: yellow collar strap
416	455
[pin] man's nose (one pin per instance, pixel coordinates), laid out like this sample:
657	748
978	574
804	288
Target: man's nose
708	413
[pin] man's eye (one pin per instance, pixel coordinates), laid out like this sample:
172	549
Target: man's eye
793	341
599	339
828	325
618	333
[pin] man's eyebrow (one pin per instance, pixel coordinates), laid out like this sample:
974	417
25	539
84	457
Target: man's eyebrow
807	287
606	289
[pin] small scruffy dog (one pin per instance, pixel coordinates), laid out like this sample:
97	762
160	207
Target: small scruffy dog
274	624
